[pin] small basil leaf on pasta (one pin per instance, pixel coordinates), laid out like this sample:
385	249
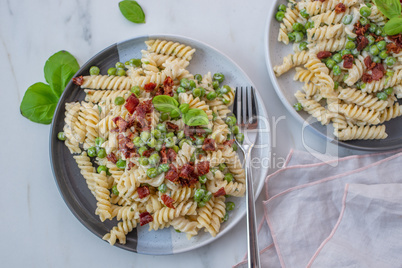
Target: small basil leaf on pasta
195	117
132	11
39	103
59	69
393	26
390	8
165	103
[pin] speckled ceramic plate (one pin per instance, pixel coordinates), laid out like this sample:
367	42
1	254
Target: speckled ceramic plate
72	185
285	88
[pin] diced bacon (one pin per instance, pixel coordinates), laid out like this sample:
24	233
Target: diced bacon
172	174
369	63
130	165
163	153
171	154
149	87
145	218
220	192
378	72
366	78
209	145
159	91
120	123
202	168
323	54
172	126
167	200
168	86
131	103
186	171
147	153
187	177
392	47
79	80
112	158
361	30
362	42
348	61
229	142
143	192
340	8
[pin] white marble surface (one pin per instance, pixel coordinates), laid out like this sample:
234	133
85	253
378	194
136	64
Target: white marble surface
37	228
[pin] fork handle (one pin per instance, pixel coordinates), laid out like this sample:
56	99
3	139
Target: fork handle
252	240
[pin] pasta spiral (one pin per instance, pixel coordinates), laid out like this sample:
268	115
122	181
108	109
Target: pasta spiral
107	82
362	133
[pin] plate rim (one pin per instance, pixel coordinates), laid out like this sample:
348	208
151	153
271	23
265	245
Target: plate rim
64	192
289	107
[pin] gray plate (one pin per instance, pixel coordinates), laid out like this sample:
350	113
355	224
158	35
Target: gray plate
72	185
285	87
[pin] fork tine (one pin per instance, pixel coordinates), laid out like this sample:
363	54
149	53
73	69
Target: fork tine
253	105
235	106
244	105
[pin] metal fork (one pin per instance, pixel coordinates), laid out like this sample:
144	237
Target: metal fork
245	110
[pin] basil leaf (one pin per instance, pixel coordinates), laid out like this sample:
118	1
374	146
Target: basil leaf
393	26
164	103
39	103
132	11
59	69
390	8
195	117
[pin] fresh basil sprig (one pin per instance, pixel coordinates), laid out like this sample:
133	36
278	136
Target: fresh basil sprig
392	10
167	104
132	11
40	100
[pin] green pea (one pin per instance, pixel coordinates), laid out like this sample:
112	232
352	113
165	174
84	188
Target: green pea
350	45
330	63
114	190
365	11
181	90
141	150
225	101
371	39
218	77
94	70
368	4
199	140
390	61
364	21
152	172
376	59
184	107
211	95
192	84
389	91
151	142
199	194
111	71
119	100
136	90
176	148
298	27
121	72
226	89
135	62
215	84
101	153
162	188
119	65
345	52
389	73
222	167
138	142
235	130
367	49
99	141
347	19
61	136
226	217
228	177
201	204
198	77
145	135
230	206
355	52
161	127
350	38
337	57
170	135
101	168
231	120
374	50
158	145
279	16
299	36
382	96
197	92
382	45
373	27
234	147
180	134
154	159
298	106
304	13
121	164
345	77
127	63
379	31
383	54
169	142
163	167
303	46
363	86
336	85
185	83
292	36
156	133
207	197
202	179
309	25
282	8
240	138
91	151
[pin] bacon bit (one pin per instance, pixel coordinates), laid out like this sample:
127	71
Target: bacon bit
79	80
172	174
147	153
163	153
120	123
159	91
220	192
361	30
112	158
186	171
362	42
145	218
171	154
377	37
392	47
131	103
369	63
172	126
378	72
324	54
229	142
209	145
397	39
340	8
149	87
202	168
348	61
143	191
167	200
123	142
130	165
168	86
366	78
187	177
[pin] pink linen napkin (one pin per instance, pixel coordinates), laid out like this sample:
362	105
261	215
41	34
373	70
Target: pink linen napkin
304	204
